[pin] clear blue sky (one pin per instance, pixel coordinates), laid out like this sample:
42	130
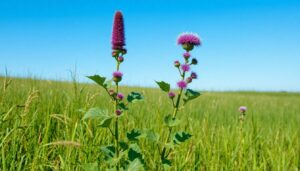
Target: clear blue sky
247	44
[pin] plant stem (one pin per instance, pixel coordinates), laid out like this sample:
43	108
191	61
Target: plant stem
116	122
175	111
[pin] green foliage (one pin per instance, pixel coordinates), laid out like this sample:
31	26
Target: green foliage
99	80
190	95
270	132
134	153
134	135
170	121
163	86
123	106
152	136
109	151
181	137
135	165
105	121
134	97
95	113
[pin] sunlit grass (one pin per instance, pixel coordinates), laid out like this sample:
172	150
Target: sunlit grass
41	128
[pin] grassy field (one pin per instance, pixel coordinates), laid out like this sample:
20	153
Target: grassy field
41	128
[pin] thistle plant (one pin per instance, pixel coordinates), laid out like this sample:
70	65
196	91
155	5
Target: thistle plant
188	41
118	155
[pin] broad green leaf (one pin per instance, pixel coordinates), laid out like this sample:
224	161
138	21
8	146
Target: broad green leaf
134	152
134	135
109	151
93	113
123	106
152	136
181	137
170	121
190	95
98	79
124	146
105	122
108	84
163	86
135	165
91	167
166	163
134	96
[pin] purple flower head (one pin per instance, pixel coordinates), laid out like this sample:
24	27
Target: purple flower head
194	75
189	79
117	76
118	36
182	84
186	55
185	67
120	58
189	38
243	109
177	64
171	95
120	96
118	112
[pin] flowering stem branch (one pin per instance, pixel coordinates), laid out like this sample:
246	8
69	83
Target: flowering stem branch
175	111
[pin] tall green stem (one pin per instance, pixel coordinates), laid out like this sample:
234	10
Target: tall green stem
116	122
175	111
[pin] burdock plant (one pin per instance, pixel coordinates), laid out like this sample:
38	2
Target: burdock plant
121	154
188	41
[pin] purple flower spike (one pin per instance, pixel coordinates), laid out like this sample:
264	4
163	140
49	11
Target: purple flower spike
118	36
182	84
185	67
120	96
243	109
186	55
189	38
194	75
171	95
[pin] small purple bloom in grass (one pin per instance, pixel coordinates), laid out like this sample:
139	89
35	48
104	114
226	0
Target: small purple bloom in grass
120	58
182	84
186	55
120	96
118	112
177	64
194	61
189	38
185	67
194	75
118	36
171	95
243	109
